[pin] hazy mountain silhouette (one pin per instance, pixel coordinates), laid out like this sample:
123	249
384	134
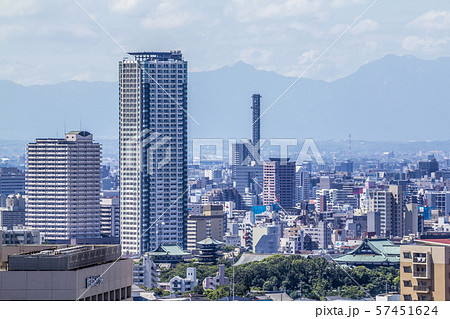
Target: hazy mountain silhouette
391	99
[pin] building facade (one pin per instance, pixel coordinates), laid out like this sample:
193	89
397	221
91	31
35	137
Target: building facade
212	223
63	187
425	270
153	150
14	212
110	217
279	182
390	205
86	273
12	181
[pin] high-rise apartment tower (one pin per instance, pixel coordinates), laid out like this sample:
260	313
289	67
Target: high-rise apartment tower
153	151
63	187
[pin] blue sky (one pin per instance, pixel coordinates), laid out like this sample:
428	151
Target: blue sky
44	41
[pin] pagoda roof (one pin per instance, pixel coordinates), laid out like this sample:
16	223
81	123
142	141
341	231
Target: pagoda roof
209	241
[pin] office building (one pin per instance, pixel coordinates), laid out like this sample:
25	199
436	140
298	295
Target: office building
439	200
12	181
212	223
239	154
145	271
390	206
279	182
63	187
248	177
14	212
425	270
110	217
20	235
266	239
153	151
303	184
86	273
320	235
374	223
427	167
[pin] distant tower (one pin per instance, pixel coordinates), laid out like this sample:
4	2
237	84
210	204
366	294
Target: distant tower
256	106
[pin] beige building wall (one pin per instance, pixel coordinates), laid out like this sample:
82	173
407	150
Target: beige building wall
425	272
210	224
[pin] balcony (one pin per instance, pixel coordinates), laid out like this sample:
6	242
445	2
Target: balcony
425	289
420	274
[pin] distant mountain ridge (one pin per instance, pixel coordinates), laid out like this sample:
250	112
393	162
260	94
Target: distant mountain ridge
396	98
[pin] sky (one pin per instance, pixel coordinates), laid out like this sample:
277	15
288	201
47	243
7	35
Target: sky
44	42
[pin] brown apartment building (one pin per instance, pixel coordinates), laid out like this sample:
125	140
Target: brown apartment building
425	270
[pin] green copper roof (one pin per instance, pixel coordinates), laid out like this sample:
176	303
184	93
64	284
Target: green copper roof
372	251
172	250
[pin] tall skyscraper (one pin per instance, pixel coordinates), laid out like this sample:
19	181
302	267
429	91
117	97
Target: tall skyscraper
303	184
63	187
279	182
256	127
153	151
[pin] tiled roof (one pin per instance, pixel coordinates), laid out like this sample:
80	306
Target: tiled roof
209	241
172	250
372	251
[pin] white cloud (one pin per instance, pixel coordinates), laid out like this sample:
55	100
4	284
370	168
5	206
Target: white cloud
124	5
427	45
345	3
364	26
15	8
255	56
299	26
249	10
169	15
432	20
307	57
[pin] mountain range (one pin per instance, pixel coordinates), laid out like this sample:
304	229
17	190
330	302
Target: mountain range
395	98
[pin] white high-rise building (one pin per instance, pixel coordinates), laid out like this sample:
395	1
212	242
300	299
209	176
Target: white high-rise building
63	187
153	151
390	206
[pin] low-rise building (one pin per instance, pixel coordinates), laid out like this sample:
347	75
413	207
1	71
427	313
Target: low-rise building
14	212
145	272
89	273
20	235
265	239
218	280
181	285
